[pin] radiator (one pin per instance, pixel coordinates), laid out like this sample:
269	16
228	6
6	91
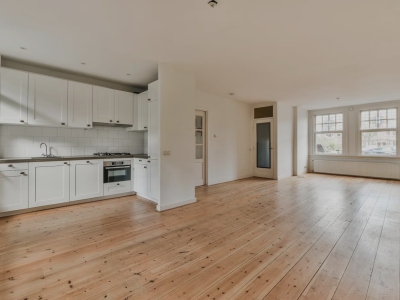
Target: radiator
358	168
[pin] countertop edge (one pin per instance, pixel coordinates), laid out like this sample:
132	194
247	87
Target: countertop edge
67	158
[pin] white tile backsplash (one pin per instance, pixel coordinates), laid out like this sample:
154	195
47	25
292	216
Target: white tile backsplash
24	141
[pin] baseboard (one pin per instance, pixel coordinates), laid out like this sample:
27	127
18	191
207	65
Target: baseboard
148	198
218	181
284	176
175	205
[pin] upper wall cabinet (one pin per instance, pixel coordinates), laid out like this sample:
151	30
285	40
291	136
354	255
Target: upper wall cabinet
80	104
103	105
13	96
47	101
153	91
124	108
143	107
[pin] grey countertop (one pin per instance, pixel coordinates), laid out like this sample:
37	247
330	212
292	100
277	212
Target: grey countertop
7	160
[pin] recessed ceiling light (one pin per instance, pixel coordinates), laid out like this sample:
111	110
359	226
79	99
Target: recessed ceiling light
338	98
212	3
232	94
128	74
83	63
22	48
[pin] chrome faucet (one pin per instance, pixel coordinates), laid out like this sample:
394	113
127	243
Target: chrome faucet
46	149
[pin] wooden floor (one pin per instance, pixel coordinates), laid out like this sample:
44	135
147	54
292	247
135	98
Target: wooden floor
314	237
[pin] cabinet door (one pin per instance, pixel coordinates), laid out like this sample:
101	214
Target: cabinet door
48	183
103	105
13	190
143	111
86	179
153	179
141	185
123	107
80	105
154	130
13	96
153	91
47	101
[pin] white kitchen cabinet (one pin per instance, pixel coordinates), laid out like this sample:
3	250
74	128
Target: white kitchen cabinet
47	101
13	190
13	96
140	112
80	104
153	179
123	108
103	105
86	179
141	179
48	183
154	130
113	188
153	91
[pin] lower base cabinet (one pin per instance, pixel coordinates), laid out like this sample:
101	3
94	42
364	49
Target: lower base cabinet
141	173
113	188
147	179
153	179
13	190
86	179
48	183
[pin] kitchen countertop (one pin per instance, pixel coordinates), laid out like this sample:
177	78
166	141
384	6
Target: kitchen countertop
7	160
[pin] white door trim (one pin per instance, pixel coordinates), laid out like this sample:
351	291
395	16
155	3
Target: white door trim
260	172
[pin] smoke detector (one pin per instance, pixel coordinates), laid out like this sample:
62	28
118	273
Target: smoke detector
212	3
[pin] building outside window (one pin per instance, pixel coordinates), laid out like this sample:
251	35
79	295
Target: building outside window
378	131
329	134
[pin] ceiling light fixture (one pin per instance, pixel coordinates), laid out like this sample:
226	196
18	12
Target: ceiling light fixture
22	48
83	63
212	3
128	74
338	98
232	94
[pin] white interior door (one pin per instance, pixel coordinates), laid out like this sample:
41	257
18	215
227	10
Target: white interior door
200	148
263	148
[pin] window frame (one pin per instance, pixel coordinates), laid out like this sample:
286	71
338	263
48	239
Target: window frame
375	106
313	132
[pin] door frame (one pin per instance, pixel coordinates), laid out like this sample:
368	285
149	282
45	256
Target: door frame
258	172
206	142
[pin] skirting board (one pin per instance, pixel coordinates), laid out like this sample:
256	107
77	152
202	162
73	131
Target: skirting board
219	181
175	205
284	176
28	210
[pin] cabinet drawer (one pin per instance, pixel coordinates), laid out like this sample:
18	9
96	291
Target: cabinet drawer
140	161
13	190
13	167
117	188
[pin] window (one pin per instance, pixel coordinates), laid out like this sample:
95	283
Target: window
379	131
329	134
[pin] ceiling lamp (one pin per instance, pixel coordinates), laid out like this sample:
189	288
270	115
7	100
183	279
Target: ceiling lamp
212	3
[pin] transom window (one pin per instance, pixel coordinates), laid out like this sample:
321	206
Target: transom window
328	134
379	131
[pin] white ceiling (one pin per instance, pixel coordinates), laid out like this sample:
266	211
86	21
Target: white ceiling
306	52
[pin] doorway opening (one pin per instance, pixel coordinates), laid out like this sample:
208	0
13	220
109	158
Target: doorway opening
200	164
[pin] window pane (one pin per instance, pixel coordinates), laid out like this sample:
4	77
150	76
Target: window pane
379	143
318	120
318	128
199	152
365	116
382	114
392	123
332	127
365	125
339	126
199	137
325	127
329	143
339	118
199	122
373	124
373	114
383	124
325	119
391	113
332	118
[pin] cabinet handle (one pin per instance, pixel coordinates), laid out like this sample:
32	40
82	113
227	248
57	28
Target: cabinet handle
62	123
10	166
22	121
65	163
117	121
110	120
148	161
88	162
149	99
140	160
117	183
22	173
145	167
88	125
145	127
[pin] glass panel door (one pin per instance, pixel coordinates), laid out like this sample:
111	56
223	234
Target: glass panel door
263	137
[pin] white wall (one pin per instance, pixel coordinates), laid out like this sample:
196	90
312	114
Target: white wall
229	155
177	96
284	140
301	141
24	141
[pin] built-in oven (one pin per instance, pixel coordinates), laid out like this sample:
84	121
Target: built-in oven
116	171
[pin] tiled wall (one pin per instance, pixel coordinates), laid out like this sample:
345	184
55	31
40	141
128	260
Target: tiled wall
24	141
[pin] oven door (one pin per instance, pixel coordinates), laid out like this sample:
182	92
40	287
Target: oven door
117	174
